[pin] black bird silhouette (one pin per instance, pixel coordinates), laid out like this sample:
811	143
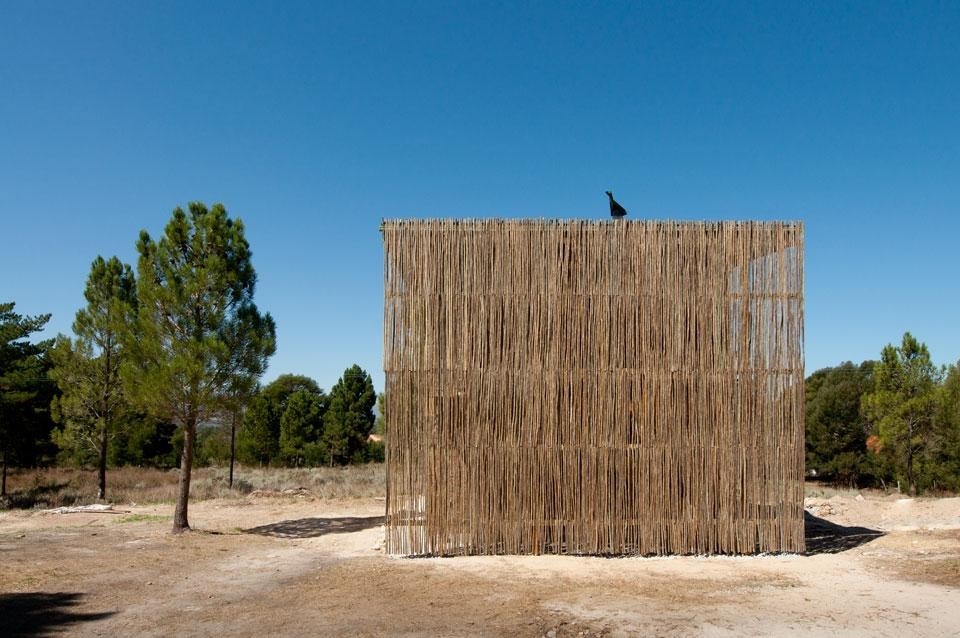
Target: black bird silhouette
616	210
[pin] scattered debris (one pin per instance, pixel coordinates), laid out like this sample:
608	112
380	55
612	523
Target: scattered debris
96	508
822	508
297	492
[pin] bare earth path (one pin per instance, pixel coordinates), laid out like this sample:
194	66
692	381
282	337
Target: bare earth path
288	567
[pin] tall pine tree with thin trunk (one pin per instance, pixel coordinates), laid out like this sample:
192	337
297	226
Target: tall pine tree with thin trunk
92	403
198	336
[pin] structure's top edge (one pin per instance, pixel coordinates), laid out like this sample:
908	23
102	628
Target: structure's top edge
600	223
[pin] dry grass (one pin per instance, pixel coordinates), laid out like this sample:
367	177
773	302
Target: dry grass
56	487
937	563
941	571
935	570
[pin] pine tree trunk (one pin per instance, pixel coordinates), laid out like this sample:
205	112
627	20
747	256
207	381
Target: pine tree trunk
233	448
910	484
102	468
180	523
104	429
3	483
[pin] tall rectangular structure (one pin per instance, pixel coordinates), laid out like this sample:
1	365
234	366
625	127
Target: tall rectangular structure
627	387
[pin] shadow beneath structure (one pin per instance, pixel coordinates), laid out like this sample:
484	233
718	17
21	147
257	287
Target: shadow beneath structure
313	527
42	613
824	537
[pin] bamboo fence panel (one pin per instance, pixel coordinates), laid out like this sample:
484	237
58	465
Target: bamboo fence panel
628	387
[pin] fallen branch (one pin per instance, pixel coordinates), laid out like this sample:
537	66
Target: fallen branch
86	509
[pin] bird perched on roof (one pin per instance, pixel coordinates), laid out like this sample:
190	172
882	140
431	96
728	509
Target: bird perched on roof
616	210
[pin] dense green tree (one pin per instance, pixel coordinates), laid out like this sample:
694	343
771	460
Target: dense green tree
280	389
376	452
301	428
942	462
836	429
256	443
903	402
92	404
349	419
197	330
23	373
259	438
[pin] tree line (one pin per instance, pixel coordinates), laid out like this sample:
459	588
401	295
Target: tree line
293	422
164	360
895	421
164	367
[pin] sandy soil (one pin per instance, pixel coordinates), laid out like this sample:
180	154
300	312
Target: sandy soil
879	566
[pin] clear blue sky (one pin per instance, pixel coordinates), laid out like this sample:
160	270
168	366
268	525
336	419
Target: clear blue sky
312	121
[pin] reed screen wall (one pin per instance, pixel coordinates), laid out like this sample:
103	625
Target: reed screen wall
628	387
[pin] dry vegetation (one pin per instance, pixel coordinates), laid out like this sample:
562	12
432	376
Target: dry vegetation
56	487
937	563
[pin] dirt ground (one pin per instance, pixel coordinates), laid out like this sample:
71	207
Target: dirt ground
291	566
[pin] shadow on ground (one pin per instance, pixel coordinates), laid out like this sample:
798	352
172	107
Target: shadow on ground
824	537
313	527
42	613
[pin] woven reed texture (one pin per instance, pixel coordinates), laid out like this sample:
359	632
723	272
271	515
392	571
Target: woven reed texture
628	387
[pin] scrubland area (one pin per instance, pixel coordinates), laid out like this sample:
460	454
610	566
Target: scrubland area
300	552
59	487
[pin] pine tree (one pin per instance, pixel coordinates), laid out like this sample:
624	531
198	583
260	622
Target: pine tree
944	449
349	419
256	441
903	402
259	436
92	405
22	372
301	428
836	430
198	334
